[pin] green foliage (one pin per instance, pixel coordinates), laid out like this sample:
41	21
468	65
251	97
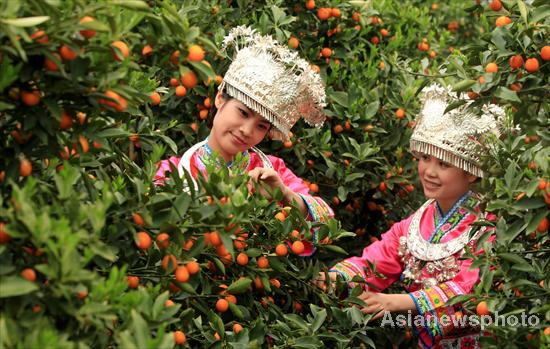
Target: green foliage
72	221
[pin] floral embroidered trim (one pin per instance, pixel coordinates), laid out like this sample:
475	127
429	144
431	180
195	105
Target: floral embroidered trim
348	270
430	304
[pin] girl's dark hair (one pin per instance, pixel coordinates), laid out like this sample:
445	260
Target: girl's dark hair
214	110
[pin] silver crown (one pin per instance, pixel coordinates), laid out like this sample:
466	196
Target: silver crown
273	81
456	137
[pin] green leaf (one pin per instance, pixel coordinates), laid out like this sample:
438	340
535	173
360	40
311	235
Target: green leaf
94	25
239	286
463	85
339	97
519	263
529	203
541	13
523	10
8	74
497	37
11	286
336	249
6	106
454	105
507	94
318	321
372	109
25	21
131	4
113	133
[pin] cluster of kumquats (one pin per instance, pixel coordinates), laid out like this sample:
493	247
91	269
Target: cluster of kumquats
93	95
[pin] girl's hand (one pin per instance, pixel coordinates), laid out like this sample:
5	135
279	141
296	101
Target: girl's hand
376	303
382	302
321	281
269	177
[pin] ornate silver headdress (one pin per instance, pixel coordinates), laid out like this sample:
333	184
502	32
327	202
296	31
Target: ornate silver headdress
457	136
273	81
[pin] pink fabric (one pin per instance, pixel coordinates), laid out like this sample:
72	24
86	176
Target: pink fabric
163	167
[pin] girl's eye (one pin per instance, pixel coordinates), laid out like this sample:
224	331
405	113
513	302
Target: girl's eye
425	157
243	112
263	126
444	164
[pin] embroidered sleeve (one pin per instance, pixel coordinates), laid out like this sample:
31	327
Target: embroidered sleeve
164	166
383	254
440	320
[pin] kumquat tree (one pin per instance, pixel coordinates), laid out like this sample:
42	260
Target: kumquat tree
93	94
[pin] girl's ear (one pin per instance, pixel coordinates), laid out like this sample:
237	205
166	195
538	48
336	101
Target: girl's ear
471	178
219	101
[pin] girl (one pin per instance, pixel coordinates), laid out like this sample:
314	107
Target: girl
266	89
424	250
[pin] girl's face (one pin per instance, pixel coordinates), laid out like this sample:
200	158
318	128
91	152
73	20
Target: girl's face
442	181
236	128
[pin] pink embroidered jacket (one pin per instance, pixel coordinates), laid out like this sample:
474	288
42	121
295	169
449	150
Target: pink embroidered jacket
432	290
318	209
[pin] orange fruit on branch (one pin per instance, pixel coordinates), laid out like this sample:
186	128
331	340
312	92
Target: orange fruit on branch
281	250
133	281
298	247
516	61
222	305
30	98
400	113
25	168
193	267
263	262
182	274
169	261
502	21
491	68
189	79
181	91
324	13
87	33
67	53
496	5
293	42
120	50
163	240
147	50
143	240
242	259
532	65
155	98
545	53
482	308
195	53
179	337
29	274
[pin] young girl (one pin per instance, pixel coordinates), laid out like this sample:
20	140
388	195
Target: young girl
266	89
424	250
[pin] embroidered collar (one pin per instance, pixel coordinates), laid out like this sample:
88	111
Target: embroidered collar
237	166
448	221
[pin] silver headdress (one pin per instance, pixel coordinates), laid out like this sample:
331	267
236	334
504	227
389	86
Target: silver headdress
273	81
457	136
